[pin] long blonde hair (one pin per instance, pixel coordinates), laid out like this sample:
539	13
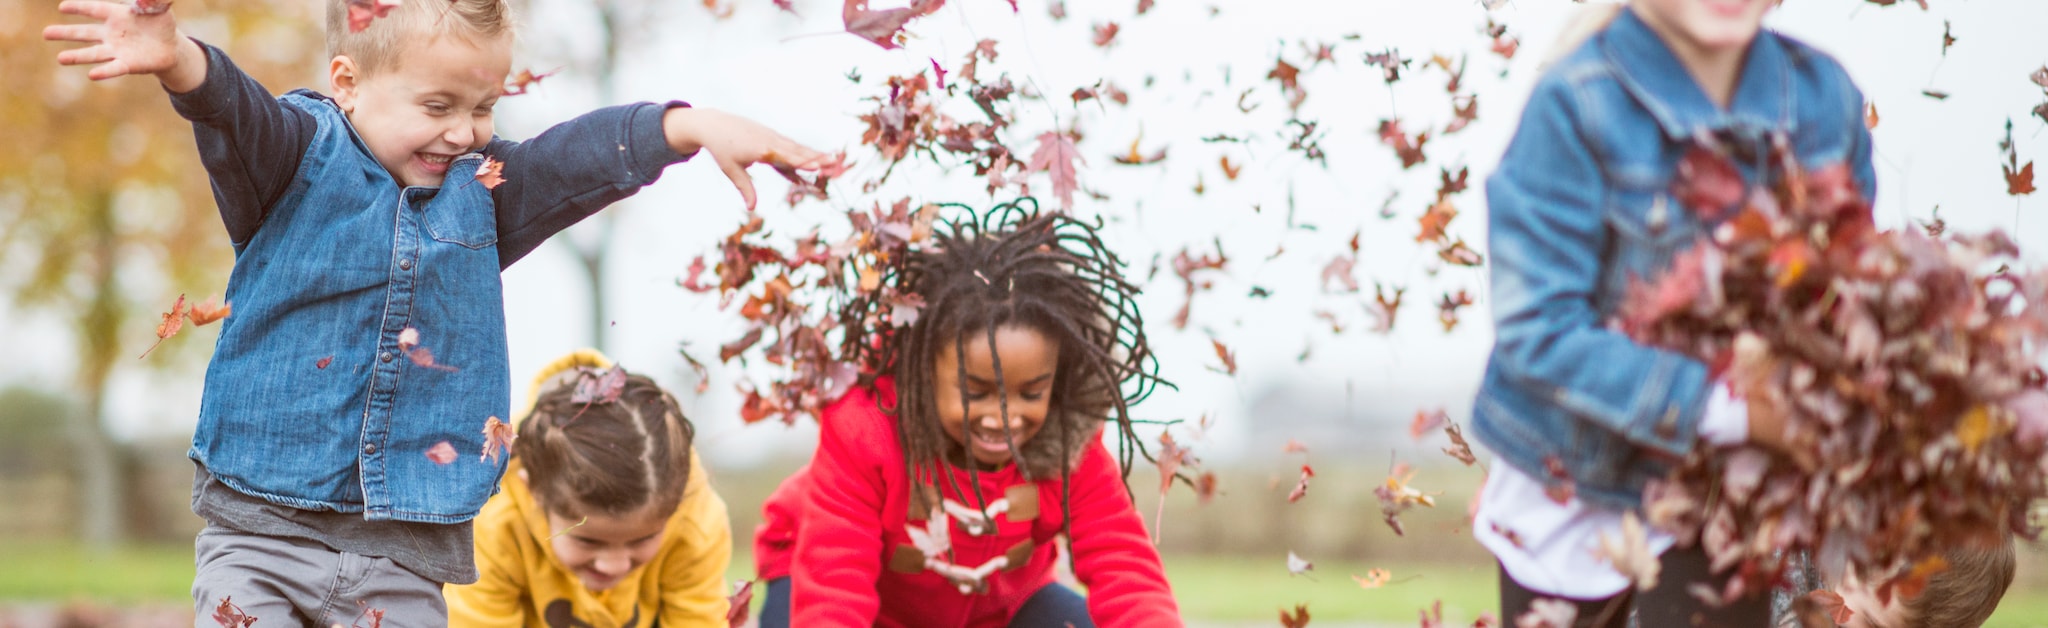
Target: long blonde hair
1588	21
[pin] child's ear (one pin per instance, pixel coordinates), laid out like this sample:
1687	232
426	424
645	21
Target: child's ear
342	79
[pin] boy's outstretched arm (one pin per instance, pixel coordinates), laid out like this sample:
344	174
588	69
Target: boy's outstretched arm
736	143
126	42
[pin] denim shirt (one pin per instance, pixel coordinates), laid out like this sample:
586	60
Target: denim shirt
1581	206
309	400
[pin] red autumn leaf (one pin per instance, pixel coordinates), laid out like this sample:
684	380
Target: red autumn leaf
173	321
1427	421
1506	46
786	5
1409	150
1435	221
2019	182
1143	6
441	453
1057	8
1459	448
1056	155
1707	183
1340	270
1296	565
519	83
1389	62
883	27
1230	171
230	616
491	173
1433	617
940	72
1448	185
206	312
323	362
738	605
1105	34
693	281
1447	308
498	437
1301	486
375	615
1486	620
1298	619
360	12
1228	357
1288	75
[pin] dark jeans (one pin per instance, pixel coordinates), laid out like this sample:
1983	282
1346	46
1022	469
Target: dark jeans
1667	604
1054	606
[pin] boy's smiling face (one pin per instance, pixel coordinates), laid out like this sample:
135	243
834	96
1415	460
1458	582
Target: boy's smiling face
433	106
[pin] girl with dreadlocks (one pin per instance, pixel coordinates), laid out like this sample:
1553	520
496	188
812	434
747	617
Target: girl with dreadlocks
604	518
941	483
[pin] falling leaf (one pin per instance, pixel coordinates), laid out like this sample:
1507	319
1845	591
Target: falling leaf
1914	581
1058	9
498	437
1056	155
2019	182
360	12
1459	449
441	453
1297	620
2040	77
1396	497
1447	308
1228	357
1408	149
1294	447
524	80
1296	565
1205	486
1949	39
1385	307
1427	421
1373	579
1870	115
1230	171
1464	111
1301	486
692	281
206	312
738	605
885	26
1135	158
1630	554
491	173
1934	94
173	321
1105	34
1435	221
1143	6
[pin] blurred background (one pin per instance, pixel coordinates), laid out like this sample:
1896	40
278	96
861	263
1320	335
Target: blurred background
106	216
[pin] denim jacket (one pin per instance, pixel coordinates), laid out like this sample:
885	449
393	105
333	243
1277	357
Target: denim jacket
309	400
1581	205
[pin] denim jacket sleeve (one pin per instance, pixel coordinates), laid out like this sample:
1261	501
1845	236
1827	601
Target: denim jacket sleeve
1548	233
574	169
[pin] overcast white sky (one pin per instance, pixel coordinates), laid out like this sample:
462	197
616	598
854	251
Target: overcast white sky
789	71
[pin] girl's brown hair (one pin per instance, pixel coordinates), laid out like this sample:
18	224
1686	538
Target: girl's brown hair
604	456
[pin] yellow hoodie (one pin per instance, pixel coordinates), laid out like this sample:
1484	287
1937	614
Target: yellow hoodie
521	583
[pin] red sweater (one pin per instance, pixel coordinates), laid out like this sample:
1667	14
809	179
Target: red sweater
839	528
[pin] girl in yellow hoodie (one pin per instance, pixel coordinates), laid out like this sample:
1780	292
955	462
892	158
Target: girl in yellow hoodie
604	518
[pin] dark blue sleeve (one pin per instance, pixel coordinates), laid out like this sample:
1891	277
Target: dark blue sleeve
571	171
250	143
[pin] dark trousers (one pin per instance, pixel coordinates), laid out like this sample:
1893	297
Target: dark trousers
1667	604
1054	606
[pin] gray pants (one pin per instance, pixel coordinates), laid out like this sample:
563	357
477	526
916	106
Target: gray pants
283	581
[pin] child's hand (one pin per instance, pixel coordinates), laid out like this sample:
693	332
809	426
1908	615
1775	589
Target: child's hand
736	143
127	42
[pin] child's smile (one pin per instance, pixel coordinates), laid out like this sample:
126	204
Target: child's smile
434	106
1029	360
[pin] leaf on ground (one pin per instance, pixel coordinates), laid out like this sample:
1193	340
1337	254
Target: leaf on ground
323	362
498	437
173	321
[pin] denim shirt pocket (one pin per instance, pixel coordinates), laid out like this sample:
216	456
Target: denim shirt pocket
1650	228
470	225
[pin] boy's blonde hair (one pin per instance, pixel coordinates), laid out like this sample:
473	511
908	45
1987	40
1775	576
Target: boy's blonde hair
380	46
1965	594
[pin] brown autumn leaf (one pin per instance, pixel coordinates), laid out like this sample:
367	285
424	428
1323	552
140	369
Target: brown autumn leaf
1408	149
360	12
692	281
1435	221
173	321
1459	449
491	174
2019	182
1384	307
1105	34
1464	111
1230	171
228	615
441	453
738	604
884	26
498	437
1056	156
1301	486
1228	357
1830	602
1460	254
1447	308
1934	94
523	81
1299	619
206	312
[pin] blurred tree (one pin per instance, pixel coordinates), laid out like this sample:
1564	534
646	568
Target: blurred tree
105	212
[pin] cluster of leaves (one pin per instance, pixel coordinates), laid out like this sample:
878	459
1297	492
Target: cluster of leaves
199	313
1903	363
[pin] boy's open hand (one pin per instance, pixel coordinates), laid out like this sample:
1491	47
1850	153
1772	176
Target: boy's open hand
736	143
129	42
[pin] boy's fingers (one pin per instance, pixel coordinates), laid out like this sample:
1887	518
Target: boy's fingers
74	32
740	179
108	70
94	9
93	54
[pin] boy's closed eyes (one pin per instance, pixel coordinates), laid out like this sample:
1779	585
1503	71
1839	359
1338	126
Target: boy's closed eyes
433	105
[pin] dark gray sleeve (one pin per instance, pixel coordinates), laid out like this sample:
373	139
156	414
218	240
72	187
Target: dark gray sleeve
250	143
574	169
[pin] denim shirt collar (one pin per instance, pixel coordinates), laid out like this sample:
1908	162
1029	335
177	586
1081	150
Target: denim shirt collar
1651	73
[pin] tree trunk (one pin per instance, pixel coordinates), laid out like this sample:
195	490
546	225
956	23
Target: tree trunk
95	452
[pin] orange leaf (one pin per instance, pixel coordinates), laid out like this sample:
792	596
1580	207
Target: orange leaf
1299	619
206	312
173	321
1229	357
1373	579
498	437
2021	181
523	80
1870	115
1230	171
491	174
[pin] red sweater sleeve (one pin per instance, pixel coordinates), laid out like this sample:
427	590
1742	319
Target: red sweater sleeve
1113	555
839	544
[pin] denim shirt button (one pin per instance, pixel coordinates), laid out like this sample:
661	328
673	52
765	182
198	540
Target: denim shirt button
405	264
385	356
370	448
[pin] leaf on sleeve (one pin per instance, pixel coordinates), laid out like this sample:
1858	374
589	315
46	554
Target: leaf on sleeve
498	437
491	174
172	322
323	362
441	453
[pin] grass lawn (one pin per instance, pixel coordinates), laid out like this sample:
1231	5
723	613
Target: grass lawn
1210	588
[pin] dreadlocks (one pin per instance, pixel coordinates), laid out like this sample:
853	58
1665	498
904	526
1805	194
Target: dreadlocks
1012	266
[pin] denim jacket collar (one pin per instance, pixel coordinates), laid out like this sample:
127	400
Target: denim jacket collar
1651	73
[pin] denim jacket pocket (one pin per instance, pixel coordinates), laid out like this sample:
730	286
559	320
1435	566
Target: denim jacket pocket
1650	228
471	225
